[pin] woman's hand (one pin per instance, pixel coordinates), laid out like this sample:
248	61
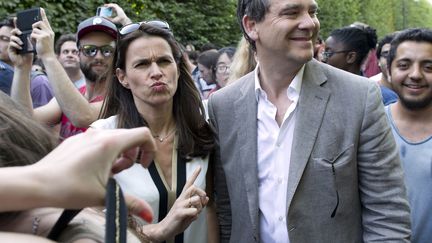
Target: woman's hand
185	210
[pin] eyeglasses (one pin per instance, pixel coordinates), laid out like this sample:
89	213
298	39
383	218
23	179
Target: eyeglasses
91	50
222	68
125	30
4	38
328	54
384	54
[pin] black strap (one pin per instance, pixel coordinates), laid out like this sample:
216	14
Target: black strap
62	223
116	216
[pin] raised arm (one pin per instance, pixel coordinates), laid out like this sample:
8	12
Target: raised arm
81	166
20	91
72	103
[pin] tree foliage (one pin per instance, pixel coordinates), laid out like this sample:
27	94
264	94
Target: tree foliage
199	22
192	21
386	16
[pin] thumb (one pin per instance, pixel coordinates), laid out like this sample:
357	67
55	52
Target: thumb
139	208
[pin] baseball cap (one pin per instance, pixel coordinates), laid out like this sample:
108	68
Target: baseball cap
96	23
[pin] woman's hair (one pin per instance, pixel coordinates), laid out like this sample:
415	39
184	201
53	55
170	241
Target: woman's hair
23	141
195	135
356	38
243	61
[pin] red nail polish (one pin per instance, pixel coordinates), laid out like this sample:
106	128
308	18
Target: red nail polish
146	215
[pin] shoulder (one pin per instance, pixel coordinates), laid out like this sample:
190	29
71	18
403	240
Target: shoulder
108	123
234	91
340	82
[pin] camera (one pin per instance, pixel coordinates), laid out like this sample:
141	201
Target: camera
24	22
104	12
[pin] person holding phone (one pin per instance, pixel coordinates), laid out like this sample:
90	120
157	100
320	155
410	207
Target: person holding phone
73	109
151	87
115	14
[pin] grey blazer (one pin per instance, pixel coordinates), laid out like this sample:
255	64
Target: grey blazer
345	180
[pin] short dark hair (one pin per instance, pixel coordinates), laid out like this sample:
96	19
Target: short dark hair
208	58
7	22
385	40
414	34
358	39
255	9
62	39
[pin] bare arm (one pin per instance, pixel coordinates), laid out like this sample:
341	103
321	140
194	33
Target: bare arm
24	238
72	103
82	166
20	91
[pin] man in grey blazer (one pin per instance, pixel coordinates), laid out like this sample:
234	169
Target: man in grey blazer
305	151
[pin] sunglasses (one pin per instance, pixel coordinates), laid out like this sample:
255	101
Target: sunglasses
92	50
127	29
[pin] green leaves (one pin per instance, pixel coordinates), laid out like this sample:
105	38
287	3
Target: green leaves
199	22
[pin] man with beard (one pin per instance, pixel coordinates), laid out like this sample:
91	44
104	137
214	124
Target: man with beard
410	68
74	109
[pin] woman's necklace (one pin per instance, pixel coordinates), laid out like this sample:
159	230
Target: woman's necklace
161	139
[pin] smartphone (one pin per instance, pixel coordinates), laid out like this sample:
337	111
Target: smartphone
24	22
104	11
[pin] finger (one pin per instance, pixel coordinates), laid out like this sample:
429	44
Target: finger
122	163
195	201
124	139
139	207
193	190
44	18
192	178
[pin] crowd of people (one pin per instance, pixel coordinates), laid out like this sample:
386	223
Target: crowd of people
287	137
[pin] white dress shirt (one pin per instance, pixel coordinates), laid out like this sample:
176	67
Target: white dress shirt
274	158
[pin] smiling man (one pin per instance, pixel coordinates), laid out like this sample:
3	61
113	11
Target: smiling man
410	62
74	109
305	152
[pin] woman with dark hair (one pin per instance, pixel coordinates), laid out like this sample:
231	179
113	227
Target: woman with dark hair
152	87
348	47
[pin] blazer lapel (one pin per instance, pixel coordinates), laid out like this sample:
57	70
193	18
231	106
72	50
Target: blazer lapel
311	109
245	110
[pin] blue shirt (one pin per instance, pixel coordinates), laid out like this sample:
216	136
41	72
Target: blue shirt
417	165
388	95
6	77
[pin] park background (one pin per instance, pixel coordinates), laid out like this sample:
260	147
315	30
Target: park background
202	21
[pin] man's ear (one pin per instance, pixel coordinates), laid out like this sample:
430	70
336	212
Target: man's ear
351	57
121	76
249	26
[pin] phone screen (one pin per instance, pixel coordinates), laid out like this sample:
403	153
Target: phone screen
104	11
24	22
26	18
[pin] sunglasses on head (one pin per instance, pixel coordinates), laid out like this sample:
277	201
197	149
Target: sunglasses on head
92	50
127	29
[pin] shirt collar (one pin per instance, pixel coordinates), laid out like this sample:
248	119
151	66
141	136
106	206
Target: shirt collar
294	88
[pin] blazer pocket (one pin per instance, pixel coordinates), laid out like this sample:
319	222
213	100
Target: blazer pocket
340	159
